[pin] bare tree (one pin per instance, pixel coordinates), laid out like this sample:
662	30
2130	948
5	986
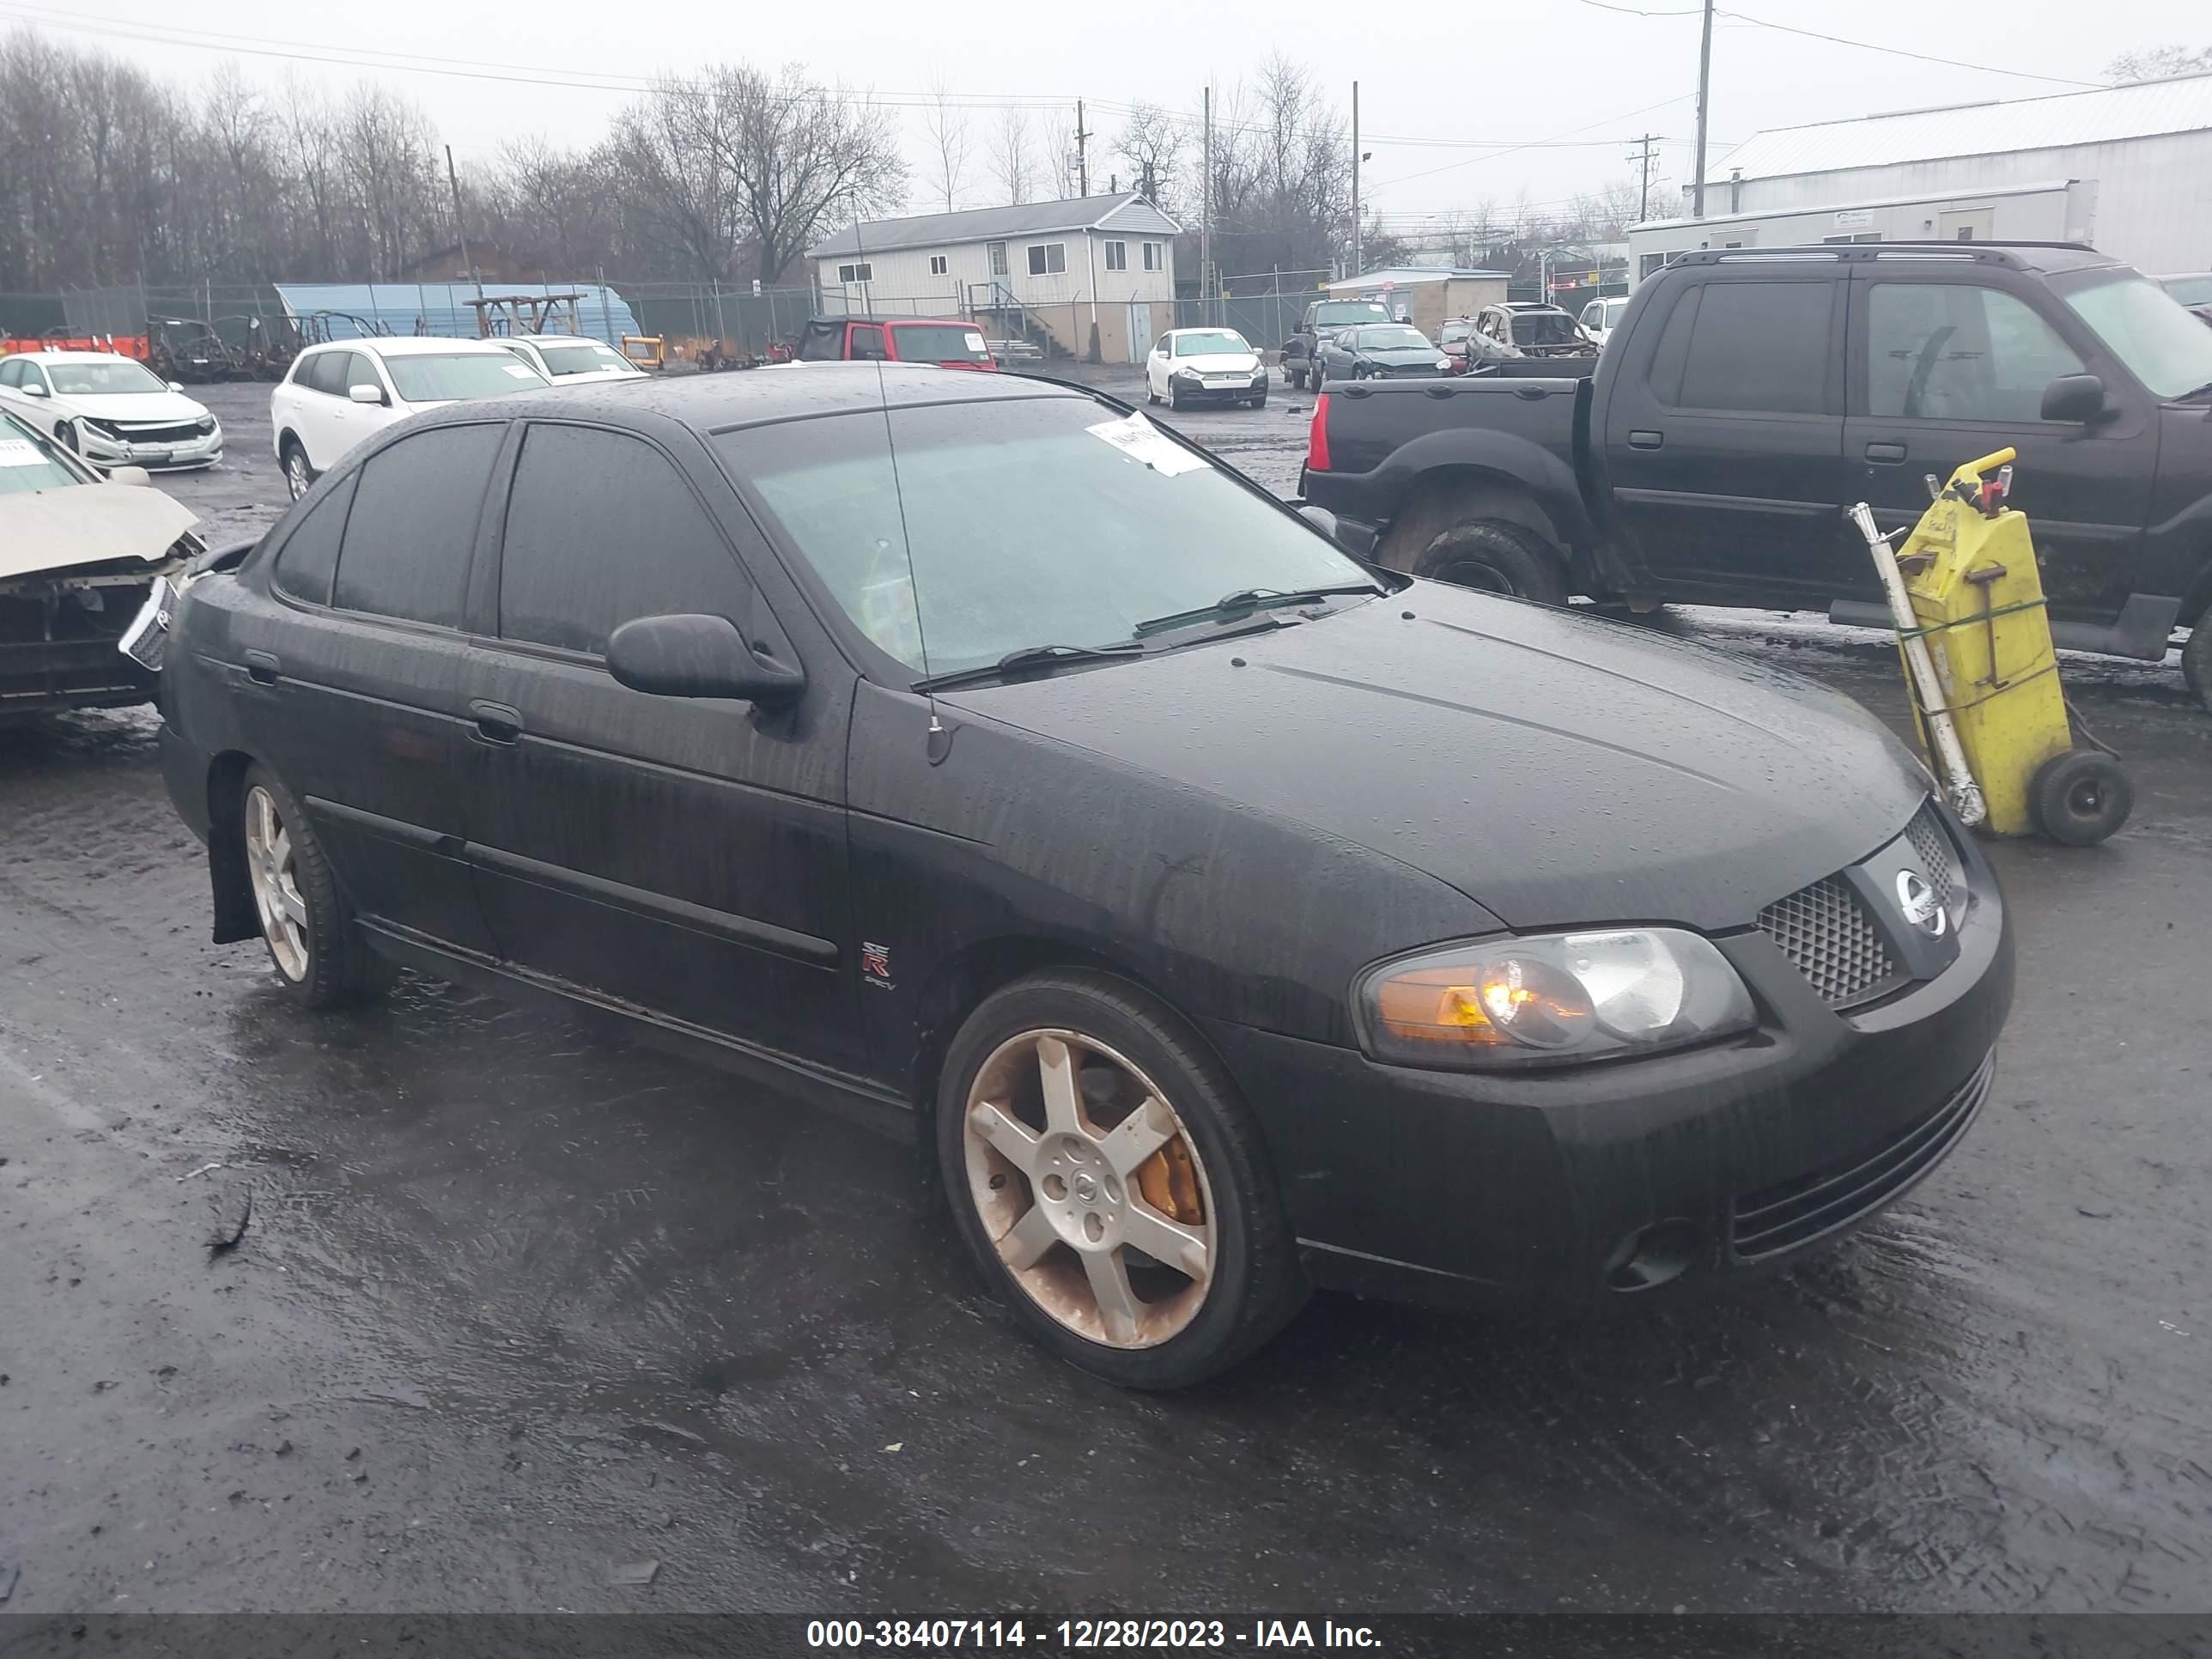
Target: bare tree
1153	143
1012	165
945	126
2156	63
807	156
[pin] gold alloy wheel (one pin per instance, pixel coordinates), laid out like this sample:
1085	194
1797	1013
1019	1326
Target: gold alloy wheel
275	872
1090	1188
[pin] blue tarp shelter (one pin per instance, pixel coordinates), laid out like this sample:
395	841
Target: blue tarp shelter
443	308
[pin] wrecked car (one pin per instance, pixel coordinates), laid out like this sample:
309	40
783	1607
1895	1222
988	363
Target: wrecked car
79	554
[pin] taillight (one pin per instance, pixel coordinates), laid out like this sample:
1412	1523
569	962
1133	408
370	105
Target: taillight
1317	436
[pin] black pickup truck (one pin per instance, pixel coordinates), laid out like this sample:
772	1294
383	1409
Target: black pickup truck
1747	399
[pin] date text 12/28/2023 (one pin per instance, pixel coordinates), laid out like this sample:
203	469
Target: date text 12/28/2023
1085	1635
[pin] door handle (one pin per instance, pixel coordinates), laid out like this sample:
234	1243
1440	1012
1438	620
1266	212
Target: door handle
262	667
1885	454
496	721
1647	439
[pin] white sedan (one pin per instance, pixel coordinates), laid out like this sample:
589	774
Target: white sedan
571	359
112	411
339	394
1205	365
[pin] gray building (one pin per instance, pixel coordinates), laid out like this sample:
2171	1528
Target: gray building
2126	168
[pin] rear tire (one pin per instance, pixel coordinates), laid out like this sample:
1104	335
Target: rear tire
1152	1268
2081	797
2196	660
318	954
299	477
1492	556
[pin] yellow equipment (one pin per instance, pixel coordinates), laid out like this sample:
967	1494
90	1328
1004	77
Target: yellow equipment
1971	626
646	350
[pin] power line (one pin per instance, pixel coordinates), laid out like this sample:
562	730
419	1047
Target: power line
1663	103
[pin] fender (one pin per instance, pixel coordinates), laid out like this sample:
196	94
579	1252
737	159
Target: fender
1515	460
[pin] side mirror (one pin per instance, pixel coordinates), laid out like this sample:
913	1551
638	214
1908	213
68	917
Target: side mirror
176	385
2075	398
31	390
364	394
1323	520
128	475
696	656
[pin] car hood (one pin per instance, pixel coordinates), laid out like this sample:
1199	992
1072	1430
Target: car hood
1396	355
1556	769
169	408
1221	362
88	524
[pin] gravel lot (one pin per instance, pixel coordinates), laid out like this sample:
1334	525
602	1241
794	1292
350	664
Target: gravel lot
518	1306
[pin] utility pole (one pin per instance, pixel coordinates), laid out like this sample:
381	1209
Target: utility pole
1081	153
1704	98
1205	214
1644	154
1354	272
460	234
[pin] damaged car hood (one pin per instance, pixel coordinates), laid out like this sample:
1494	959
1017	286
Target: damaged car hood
91	524
1556	769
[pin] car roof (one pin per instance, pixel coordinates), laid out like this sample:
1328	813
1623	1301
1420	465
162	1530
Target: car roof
405	345
782	392
75	357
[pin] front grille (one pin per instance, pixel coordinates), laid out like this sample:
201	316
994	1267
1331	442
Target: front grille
188	433
1825	931
1926	834
1793	1212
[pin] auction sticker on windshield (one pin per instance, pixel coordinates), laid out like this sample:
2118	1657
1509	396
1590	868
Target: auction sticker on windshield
1139	440
20	452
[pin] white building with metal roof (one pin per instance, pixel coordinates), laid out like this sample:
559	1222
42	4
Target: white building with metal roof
2128	168
1064	267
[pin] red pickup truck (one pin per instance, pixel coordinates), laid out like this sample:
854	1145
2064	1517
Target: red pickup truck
946	342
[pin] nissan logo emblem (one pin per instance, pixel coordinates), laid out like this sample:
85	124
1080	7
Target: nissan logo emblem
1918	901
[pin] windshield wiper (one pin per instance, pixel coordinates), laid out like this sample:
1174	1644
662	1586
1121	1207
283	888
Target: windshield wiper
1245	600
1029	656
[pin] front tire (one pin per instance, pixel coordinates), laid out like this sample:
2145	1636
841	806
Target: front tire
1111	1184
2196	660
318	953
65	435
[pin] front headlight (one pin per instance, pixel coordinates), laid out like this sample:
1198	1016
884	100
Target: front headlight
1554	1000
1443	363
205	426
1184	374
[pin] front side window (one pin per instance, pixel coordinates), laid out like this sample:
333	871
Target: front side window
864	271
102	377
437	377
357	370
1956	351
1117	256
1759	346
309	557
1048	259
2163	345
867	342
413	526
981	585
601	527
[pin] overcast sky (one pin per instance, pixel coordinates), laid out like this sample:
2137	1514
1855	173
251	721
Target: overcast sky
1575	81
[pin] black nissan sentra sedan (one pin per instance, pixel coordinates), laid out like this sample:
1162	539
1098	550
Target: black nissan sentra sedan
1230	917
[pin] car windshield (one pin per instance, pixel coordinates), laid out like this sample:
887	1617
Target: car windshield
578	358
1609	317
1209	343
1028	521
28	461
1542	328
2145	327
1394	339
939	342
2191	290
438	377
1455	332
1336	313
102	377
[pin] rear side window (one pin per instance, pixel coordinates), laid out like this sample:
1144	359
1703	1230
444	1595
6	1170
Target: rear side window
325	372
601	527
413	523
309	558
1760	346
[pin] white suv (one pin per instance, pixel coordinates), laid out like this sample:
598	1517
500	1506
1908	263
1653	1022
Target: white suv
340	393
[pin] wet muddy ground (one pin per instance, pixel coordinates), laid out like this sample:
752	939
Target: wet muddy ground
518	1307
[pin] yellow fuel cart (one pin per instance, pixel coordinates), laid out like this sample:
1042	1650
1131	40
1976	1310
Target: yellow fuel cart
1973	628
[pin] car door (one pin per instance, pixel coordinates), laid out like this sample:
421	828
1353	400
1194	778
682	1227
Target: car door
1949	363
1157	365
867	344
348	682
682	855
326	422
38	410
1723	435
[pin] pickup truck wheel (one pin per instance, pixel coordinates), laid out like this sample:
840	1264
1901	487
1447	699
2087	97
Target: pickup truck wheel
2196	660
1494	557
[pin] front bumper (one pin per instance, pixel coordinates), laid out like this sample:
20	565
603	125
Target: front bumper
1257	386
106	449
1591	1185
